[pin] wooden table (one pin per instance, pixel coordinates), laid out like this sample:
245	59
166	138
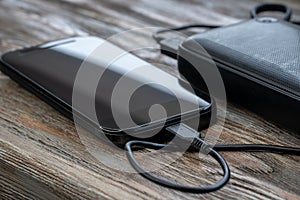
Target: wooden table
41	155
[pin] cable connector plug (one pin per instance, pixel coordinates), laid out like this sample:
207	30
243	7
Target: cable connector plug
188	134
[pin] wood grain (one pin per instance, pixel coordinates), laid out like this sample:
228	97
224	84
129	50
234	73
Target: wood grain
42	156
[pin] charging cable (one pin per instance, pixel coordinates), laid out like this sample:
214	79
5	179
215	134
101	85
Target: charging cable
187	134
169	46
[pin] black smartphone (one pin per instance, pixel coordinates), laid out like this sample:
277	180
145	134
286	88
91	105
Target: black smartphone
49	71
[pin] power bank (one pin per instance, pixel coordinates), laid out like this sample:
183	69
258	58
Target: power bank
259	62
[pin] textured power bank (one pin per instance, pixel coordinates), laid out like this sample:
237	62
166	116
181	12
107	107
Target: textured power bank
259	61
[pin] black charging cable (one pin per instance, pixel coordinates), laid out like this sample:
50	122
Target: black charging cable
187	134
264	7
157	38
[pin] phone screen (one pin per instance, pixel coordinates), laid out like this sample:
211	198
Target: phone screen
154	94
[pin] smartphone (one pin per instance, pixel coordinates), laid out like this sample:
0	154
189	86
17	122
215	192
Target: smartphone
49	71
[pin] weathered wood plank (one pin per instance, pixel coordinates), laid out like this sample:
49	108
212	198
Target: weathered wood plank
41	155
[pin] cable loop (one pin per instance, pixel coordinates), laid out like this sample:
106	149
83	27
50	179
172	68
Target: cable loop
171	184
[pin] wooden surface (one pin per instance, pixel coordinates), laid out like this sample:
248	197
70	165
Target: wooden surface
41	155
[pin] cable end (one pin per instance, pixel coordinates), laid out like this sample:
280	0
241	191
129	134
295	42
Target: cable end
188	134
